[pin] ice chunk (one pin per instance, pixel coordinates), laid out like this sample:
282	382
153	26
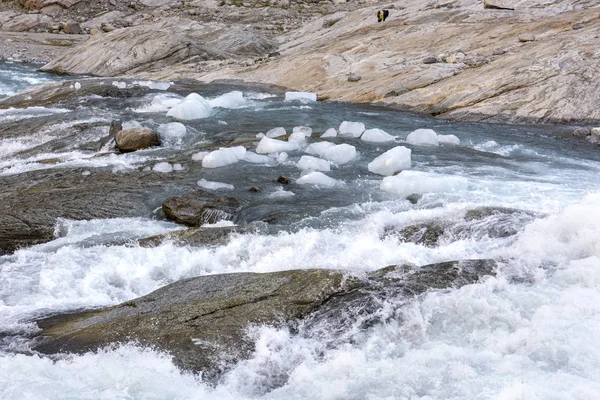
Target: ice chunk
77	85
409	182
153	85
317	179
276	132
268	145
200	155
354	129
297	136
282	157
307	130
120	85
161	102
193	106
318	148
260	135
376	135
331	132
304	97
423	137
131	125
203	183
177	167
254	158
391	161
313	163
449	139
233	99
171	133
163	167
340	154
224	156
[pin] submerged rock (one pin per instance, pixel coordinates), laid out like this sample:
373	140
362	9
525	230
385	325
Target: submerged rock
136	139
192	237
202	322
199	207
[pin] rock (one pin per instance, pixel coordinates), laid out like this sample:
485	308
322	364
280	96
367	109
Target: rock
106	27
424	234
577	26
202	322
498	52
595	132
582	132
95	31
498	4
72	28
455	58
526	37
414	198
354	78
476	61
199	207
430	60
136	139
397	92
26	22
255	189
192	237
274	54
165	43
283	180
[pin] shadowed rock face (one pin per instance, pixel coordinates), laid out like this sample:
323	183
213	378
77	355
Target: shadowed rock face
203	320
199	207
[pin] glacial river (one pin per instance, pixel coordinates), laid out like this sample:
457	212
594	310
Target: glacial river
530	332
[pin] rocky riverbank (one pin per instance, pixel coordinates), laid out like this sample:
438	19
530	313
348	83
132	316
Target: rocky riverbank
518	61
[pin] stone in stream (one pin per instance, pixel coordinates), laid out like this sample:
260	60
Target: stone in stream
202	322
199	207
136	139
193	237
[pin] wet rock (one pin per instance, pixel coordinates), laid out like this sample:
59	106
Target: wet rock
283	180
414	198
199	207
582	132
136	139
192	237
498	4
526	37
255	189
426	234
354	78
72	27
202	321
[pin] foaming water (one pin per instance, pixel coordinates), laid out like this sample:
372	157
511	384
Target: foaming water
16	77
526	199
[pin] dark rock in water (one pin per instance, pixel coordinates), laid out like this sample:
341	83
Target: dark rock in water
424	234
283	180
255	189
136	139
354	78
414	198
485	212
32	201
200	207
193	237
582	132
202	321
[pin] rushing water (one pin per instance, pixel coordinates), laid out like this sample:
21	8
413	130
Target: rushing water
531	332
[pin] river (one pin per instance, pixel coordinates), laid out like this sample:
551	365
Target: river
530	332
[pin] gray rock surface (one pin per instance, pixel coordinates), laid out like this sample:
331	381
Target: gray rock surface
202	321
200	207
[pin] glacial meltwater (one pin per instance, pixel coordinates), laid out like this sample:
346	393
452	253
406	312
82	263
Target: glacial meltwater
524	196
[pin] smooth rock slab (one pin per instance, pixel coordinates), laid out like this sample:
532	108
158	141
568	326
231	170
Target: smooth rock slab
202	321
199	207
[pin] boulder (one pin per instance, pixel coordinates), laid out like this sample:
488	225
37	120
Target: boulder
595	132
192	237
582	132
526	37
72	28
354	78
430	60
25	22
202	322
136	139
199	207
498	4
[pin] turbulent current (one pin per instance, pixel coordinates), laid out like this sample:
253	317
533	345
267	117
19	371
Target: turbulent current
532	331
